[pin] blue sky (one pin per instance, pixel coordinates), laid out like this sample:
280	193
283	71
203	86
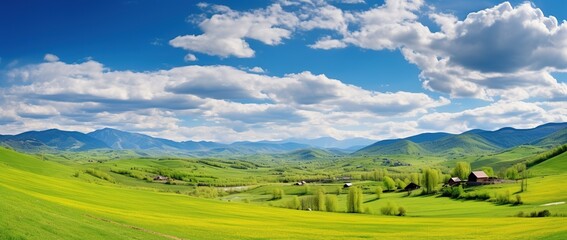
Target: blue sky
269	70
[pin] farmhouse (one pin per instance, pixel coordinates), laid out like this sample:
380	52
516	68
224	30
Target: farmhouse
454	181
347	185
412	186
478	177
160	178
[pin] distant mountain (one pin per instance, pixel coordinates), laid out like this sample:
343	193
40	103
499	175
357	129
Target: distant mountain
554	139
267	147
473	141
394	147
53	139
329	142
309	154
117	139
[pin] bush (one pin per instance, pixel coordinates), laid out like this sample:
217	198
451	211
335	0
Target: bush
503	198
518	200
391	209
277	193
331	203
378	192
100	174
401	211
544	213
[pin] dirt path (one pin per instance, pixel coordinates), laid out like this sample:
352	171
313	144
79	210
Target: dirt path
553	203
136	228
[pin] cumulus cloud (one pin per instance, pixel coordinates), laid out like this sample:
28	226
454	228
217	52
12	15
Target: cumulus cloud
50	58
499	114
83	96
327	43
190	58
225	33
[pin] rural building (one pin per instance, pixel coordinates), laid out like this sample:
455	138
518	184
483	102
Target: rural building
347	185
161	178
478	176
454	181
411	187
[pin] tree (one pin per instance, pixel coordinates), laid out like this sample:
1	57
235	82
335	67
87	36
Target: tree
378	192
389	183
400	184
489	171
430	180
320	199
277	193
414	178
512	173
354	200
331	203
462	170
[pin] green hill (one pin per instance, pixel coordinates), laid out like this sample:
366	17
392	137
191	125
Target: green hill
309	154
48	202
554	139
464	143
400	147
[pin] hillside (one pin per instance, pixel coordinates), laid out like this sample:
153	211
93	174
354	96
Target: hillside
396	147
53	139
52	204
554	139
471	142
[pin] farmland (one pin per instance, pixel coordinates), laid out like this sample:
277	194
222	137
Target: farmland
49	200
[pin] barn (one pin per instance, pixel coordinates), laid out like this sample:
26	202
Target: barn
478	176
454	181
347	185
412	186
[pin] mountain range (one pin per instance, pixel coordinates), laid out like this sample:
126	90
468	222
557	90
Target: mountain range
473	141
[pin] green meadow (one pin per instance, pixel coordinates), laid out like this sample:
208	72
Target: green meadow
48	199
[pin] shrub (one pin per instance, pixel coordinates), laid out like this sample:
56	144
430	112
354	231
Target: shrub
503	198
378	192
544	213
391	209
100	174
277	193
401	211
518	200
331	203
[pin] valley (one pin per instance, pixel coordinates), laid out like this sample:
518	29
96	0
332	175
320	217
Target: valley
116	193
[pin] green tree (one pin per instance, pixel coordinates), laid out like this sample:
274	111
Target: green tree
414	178
277	193
320	199
331	203
430	180
512	173
400	184
489	171
389	183
462	170
354	200
378	192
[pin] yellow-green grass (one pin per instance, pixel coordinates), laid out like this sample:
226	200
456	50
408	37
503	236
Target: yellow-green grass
42	200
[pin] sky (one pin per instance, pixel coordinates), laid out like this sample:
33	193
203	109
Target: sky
255	70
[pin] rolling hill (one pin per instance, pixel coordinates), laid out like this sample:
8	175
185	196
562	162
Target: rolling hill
471	142
53	139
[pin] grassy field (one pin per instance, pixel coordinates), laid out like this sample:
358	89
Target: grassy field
44	200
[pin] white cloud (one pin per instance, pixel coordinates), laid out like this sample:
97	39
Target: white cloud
190	58
257	70
327	43
499	114
352	1
50	58
85	96
225	32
